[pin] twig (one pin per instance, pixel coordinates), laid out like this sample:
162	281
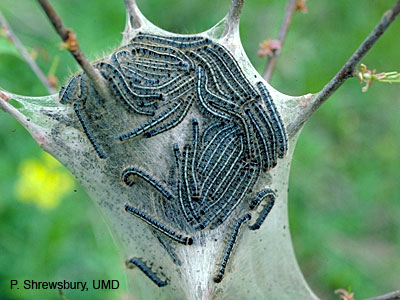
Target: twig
390	296
69	38
233	17
27	57
134	18
347	71
61	294
287	19
4	96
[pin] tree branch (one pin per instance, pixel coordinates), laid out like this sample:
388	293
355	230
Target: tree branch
272	58
233	17
390	296
27	57
347	71
134	18
4	96
69	37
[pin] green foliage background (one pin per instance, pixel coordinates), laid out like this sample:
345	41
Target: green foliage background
344	187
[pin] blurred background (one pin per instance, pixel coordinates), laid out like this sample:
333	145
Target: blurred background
344	199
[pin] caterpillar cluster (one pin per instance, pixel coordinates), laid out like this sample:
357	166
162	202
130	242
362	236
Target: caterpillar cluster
162	77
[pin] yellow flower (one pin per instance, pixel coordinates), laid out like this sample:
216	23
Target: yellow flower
43	182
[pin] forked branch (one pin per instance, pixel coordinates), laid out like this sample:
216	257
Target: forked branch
69	37
347	71
27	57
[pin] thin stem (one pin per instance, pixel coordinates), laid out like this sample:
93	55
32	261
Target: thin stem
347	71
272	58
390	296
69	38
233	17
27	57
61	294
131	9
4	96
